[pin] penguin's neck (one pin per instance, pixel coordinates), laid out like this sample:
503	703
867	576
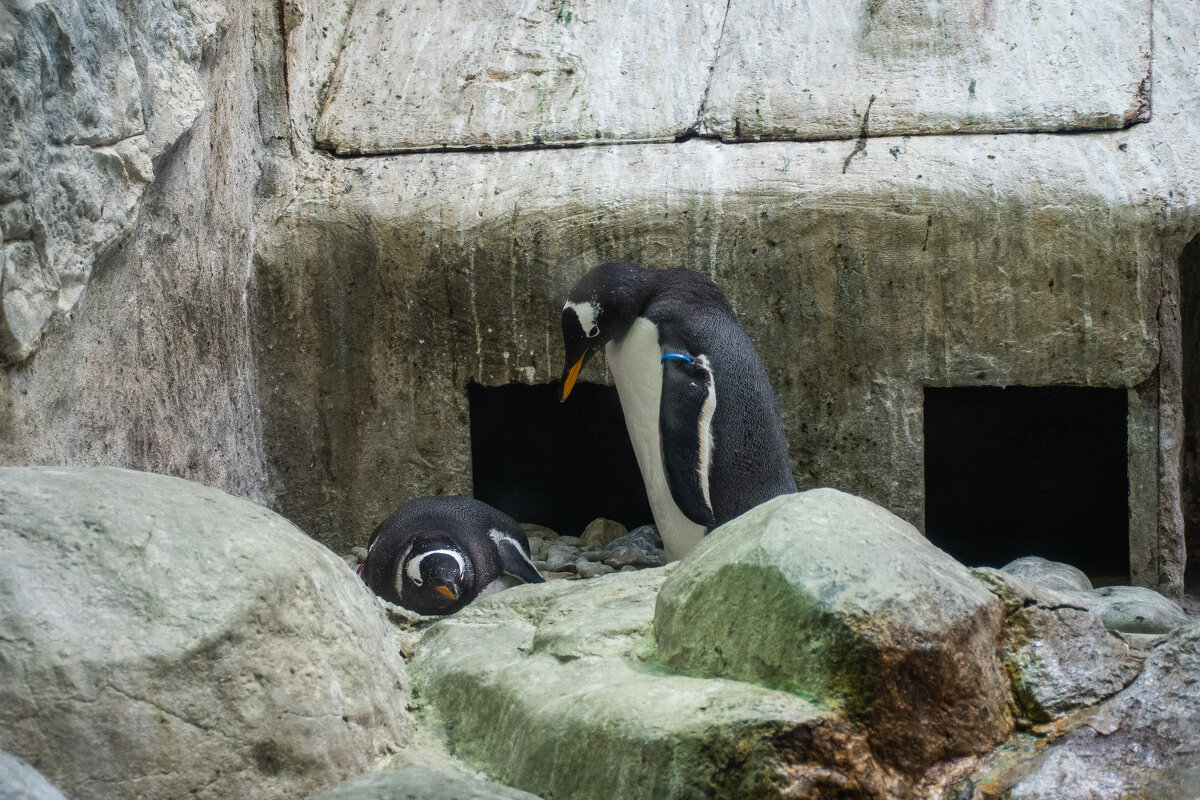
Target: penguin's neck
635	363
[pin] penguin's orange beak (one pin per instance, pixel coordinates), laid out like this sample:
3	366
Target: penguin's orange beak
447	591
572	374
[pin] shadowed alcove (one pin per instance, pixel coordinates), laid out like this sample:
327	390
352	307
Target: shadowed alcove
556	464
1189	312
1021	471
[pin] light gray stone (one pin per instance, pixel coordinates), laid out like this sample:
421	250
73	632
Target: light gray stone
600	533
1132	609
1144	742
834	598
420	783
483	73
161	638
92	94
589	569
804	69
19	781
1050	574
544	687
1059	657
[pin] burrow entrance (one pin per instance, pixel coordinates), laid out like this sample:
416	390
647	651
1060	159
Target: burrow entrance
557	464
1021	471
1189	313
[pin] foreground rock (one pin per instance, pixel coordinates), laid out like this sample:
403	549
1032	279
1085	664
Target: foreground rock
1144	742
833	598
547	688
1128	609
159	638
1058	655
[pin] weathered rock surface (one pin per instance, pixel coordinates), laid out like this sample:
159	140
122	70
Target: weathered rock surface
546	688
808	70
160	638
1144	742
153	368
92	93
420	783
1059	656
1049	574
833	598
483	73
19	781
1132	609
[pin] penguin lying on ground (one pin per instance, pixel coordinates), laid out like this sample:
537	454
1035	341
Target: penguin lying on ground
434	555
699	409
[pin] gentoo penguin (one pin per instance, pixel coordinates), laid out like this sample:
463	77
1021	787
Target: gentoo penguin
697	404
434	555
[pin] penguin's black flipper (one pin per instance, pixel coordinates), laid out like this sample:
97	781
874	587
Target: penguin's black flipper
513	559
689	399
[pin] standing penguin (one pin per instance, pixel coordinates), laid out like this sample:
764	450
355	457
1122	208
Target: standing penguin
697	403
434	555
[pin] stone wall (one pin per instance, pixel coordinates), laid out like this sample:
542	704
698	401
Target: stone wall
284	317
145	360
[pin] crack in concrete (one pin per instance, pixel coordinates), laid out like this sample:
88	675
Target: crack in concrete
860	146
698	128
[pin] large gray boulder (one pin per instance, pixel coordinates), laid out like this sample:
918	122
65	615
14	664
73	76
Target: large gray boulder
835	599
549	688
159	638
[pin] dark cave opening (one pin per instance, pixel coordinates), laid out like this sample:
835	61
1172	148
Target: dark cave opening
1189	316
557	464
1022	471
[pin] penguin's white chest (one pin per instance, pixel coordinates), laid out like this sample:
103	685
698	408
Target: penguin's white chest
636	365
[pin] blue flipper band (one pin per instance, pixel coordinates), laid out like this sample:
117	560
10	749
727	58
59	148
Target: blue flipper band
675	355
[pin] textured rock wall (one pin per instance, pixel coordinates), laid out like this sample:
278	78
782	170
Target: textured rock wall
864	269
93	94
151	366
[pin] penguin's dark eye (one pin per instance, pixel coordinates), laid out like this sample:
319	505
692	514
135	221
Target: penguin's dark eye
593	333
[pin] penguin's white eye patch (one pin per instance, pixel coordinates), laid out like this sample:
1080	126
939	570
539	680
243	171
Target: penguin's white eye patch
587	314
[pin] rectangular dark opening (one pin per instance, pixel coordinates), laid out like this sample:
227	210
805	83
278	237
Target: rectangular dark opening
1022	471
1189	316
556	464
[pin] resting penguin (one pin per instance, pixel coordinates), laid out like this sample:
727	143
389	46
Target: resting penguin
697	403
434	555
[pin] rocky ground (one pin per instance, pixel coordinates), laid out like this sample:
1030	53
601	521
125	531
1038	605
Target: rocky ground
159	638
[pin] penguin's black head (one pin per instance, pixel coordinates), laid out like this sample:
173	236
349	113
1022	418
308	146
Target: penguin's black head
435	577
600	308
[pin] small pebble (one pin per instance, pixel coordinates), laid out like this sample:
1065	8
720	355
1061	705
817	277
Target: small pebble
557	558
571	541
590	569
360	553
628	568
626	555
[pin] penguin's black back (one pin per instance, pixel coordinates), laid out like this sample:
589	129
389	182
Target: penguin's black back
750	455
463	520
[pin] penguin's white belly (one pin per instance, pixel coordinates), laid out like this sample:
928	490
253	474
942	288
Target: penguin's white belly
636	365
